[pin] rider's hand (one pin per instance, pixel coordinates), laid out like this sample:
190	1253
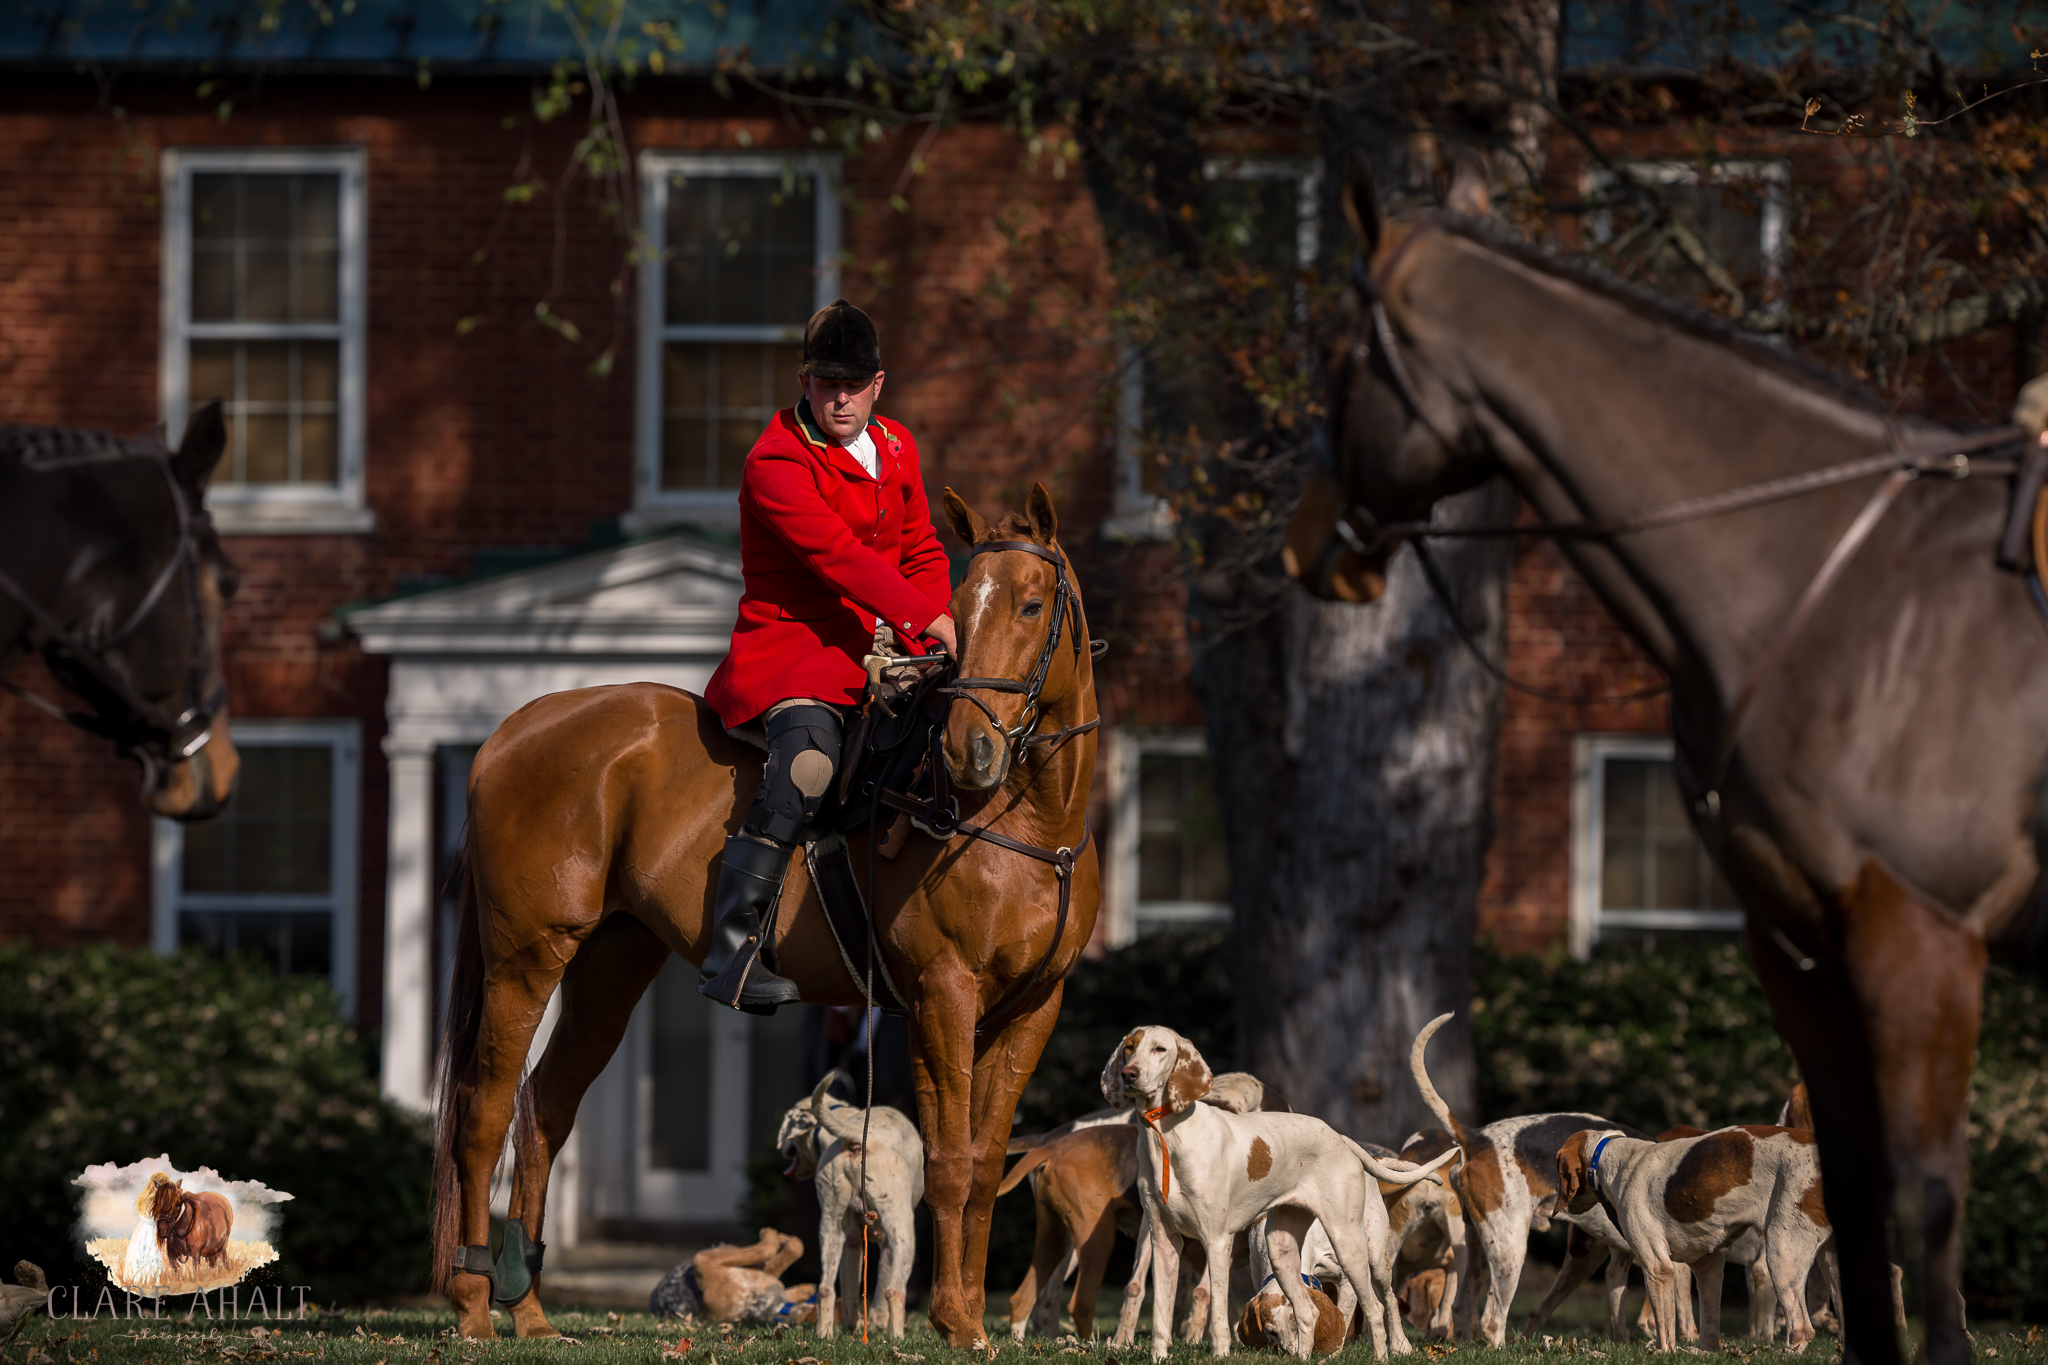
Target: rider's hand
941	629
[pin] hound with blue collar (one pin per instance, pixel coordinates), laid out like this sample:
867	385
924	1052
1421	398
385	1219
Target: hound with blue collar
1686	1202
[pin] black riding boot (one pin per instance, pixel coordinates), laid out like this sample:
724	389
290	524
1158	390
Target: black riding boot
749	883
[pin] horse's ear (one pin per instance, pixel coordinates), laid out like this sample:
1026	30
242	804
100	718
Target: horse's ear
1469	195
1045	525
965	521
206	440
1361	204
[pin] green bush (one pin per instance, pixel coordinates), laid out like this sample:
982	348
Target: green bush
1684	1035
116	1055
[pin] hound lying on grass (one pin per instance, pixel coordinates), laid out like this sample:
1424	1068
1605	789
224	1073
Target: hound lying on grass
1209	1174
1685	1201
821	1137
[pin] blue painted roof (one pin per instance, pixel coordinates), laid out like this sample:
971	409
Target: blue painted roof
393	33
1692	35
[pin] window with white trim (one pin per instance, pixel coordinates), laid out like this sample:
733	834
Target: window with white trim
1264	211
1167	866
1637	866
742	250
263	308
274	875
1726	228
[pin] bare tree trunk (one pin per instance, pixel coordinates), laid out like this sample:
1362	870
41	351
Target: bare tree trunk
1354	751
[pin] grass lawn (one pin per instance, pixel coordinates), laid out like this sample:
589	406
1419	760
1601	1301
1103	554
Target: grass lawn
408	1337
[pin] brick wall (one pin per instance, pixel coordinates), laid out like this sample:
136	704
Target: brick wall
990	291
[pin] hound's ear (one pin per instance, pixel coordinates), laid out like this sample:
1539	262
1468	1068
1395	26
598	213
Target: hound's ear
1571	1169
1045	526
1190	1080
1362	205
966	523
1113	1077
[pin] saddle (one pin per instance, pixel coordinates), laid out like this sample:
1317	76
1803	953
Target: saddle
891	745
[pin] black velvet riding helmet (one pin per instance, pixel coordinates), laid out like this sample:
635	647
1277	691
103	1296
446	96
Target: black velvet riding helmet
840	342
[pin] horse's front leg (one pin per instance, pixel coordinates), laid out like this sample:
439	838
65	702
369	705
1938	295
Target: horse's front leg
943	1063
1001	1071
600	988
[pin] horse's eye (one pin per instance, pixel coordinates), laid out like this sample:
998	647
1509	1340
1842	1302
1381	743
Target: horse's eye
1032	609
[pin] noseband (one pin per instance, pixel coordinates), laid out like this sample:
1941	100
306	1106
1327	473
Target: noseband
165	739
1020	737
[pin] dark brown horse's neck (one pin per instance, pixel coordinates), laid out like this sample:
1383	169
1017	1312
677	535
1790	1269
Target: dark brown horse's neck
1598	408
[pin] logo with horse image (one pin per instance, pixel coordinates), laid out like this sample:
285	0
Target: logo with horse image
160	1231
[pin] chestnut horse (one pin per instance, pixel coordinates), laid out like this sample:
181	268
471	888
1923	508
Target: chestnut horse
596	820
111	570
1874	804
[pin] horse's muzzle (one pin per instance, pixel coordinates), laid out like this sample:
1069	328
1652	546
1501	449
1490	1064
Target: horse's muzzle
1322	552
987	762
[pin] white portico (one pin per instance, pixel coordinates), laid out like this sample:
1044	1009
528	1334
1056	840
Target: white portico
663	1135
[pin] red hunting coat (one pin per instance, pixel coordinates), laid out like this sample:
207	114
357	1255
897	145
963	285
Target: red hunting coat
826	550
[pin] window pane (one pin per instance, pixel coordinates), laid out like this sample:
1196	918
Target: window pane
300	942
1724	215
1650	857
265	248
717	398
1180	836
282	406
775	1067
1258	221
276	835
681	1137
743	250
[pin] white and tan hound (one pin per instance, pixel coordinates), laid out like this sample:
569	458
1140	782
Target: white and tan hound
1688	1200
1507	1187
1209	1174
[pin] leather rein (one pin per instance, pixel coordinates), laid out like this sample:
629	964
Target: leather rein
171	739
1358	530
940	815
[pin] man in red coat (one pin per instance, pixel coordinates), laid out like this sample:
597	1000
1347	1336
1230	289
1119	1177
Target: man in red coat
835	539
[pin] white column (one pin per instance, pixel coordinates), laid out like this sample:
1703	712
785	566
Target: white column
409	925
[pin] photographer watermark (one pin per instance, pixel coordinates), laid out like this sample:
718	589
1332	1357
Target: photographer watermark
225	1304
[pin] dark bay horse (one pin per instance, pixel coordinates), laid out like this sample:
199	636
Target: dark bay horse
111	570
1875	807
596	820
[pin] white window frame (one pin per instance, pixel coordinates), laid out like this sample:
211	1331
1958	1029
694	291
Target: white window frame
1590	754
1139	515
273	508
1773	219
654	506
345	737
1124	749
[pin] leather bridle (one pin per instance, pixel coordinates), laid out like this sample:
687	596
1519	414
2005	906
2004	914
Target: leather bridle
1900	468
148	731
1021	737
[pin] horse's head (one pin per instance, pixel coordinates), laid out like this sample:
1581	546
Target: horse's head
163	1194
154	680
1023	638
1399	437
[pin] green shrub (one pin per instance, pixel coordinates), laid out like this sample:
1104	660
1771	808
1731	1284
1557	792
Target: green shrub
1684	1035
116	1055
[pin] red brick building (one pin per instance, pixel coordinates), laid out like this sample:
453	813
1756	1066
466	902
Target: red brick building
443	503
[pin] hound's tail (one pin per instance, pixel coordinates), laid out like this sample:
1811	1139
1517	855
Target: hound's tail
1429	1096
1033	1159
1399	1172
842	1123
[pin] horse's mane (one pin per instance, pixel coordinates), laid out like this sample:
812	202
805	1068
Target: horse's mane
1685	317
1013	526
56	447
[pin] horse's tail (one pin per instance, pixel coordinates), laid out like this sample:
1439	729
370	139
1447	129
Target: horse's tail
457	1071
1033	1159
1429	1096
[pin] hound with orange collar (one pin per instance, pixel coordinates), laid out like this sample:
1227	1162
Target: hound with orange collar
1686	1201
1209	1174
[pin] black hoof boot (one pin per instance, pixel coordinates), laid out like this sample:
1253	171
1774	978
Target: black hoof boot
749	884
